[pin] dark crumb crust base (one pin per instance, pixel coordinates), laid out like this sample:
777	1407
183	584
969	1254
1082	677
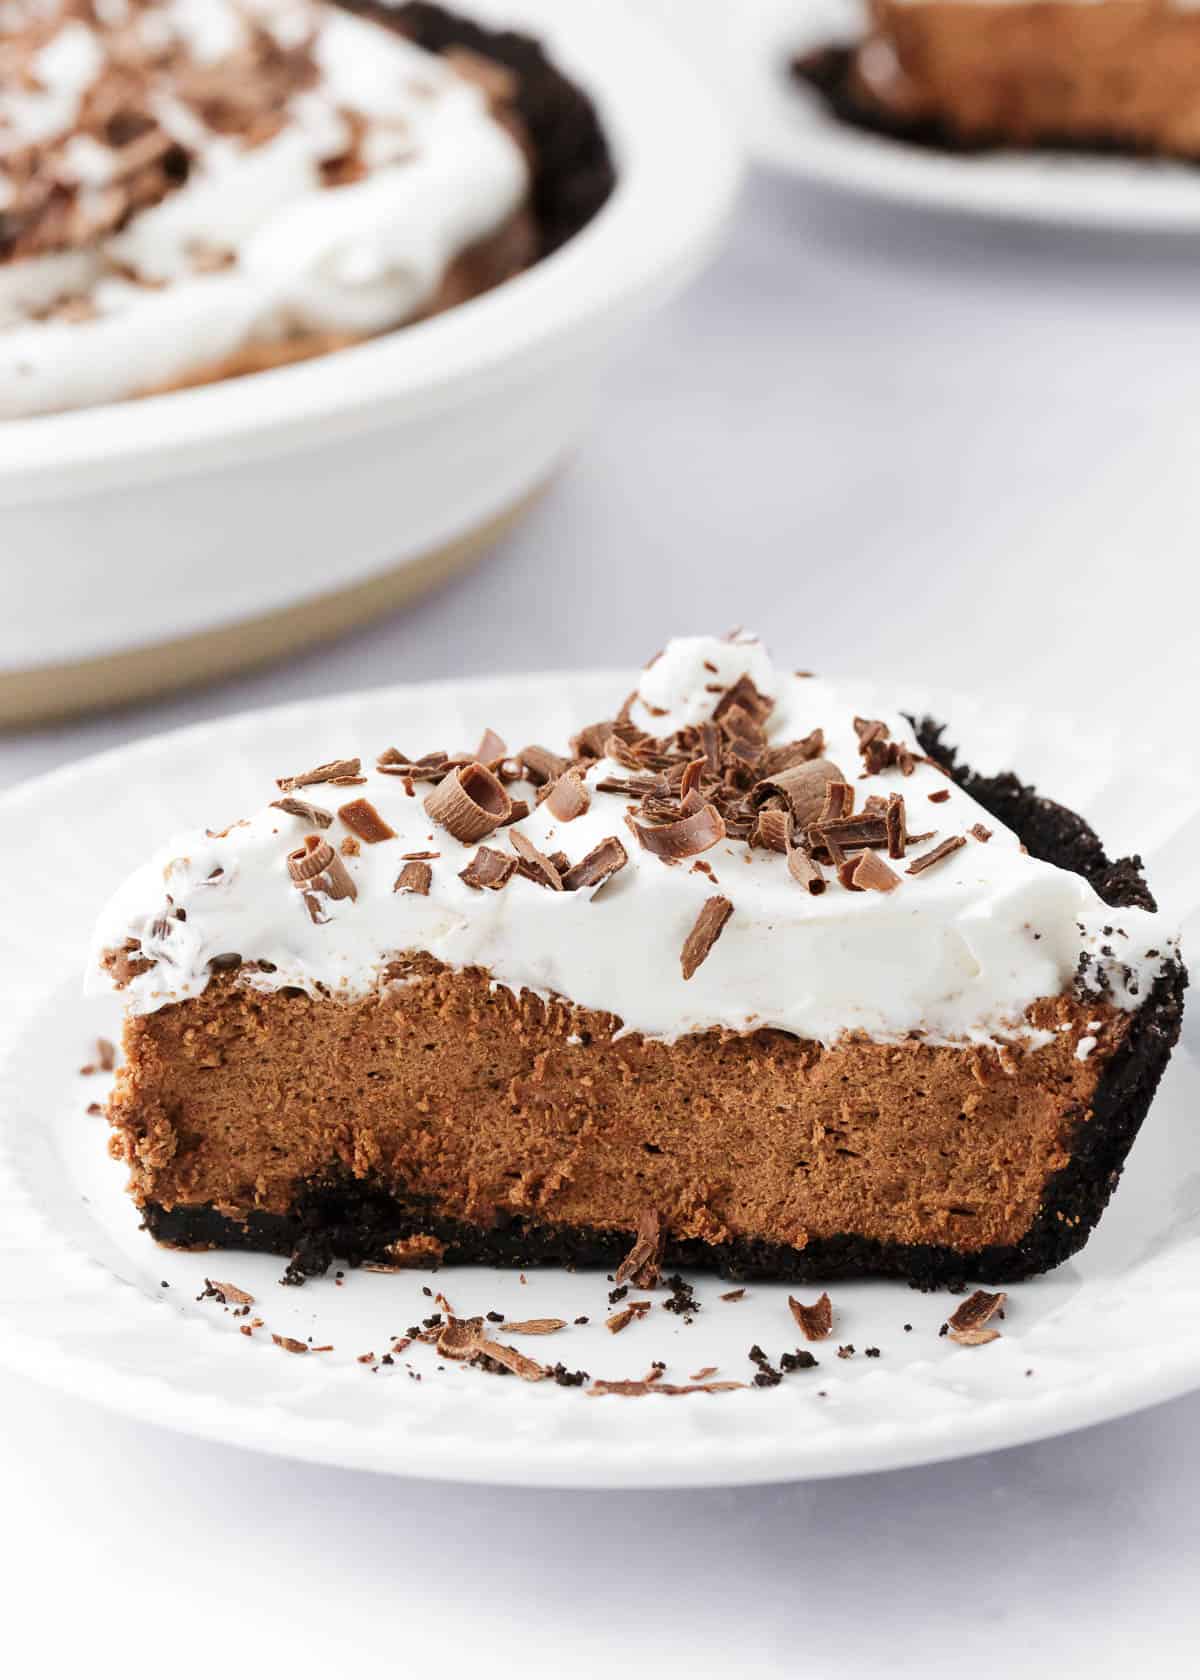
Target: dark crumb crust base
573	173
829	72
358	1221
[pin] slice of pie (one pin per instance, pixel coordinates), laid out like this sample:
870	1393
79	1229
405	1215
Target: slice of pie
189	193
749	966
1107	74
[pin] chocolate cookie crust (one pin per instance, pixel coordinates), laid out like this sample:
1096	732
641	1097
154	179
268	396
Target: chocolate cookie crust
573	172
364	1206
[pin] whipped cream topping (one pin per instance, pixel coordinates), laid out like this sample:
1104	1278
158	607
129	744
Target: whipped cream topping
292	169
957	952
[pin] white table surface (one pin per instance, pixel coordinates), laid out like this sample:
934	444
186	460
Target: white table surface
892	443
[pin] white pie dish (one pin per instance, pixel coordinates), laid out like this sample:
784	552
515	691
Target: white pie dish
137	537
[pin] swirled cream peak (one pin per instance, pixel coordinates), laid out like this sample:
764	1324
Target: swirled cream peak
182	179
956	950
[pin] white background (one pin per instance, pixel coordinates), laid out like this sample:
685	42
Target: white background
894	444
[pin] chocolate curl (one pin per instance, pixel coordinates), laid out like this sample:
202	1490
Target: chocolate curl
568	798
742	695
815	1321
868	873
686	838
470	803
773	829
415	877
927	860
803	787
317	869
804	871
541	765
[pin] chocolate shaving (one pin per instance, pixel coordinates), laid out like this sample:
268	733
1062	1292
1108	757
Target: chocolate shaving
682	839
363	819
643	1264
415	877
311	814
598	866
928	859
631	1388
512	1360
533	1326
803	787
460	1338
616	1322
535	865
568	798
974	1338
335	770
743	696
289	1344
317	869
980	832
774	829
849	833
589	742
790	753
868	873
815	1321
707	930
966	1323
541	765
896	824
228	1294
469	802
106	1055
491	749
488	869
940	797
804	871
878	750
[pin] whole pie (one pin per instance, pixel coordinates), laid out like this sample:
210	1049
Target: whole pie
194	189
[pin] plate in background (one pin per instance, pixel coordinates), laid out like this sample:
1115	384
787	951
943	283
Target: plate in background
746	49
89	1305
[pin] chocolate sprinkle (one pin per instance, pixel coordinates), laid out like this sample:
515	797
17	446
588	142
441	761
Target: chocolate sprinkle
707	930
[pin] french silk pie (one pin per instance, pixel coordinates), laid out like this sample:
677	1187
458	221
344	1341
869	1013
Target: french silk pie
194	189
749	974
1081	74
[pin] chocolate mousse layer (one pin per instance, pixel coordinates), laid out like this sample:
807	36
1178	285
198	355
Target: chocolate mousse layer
975	74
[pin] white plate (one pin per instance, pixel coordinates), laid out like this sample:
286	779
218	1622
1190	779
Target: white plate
84	1297
790	128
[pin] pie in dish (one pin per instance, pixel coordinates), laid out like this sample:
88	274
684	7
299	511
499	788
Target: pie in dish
751	971
195	189
1105	75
